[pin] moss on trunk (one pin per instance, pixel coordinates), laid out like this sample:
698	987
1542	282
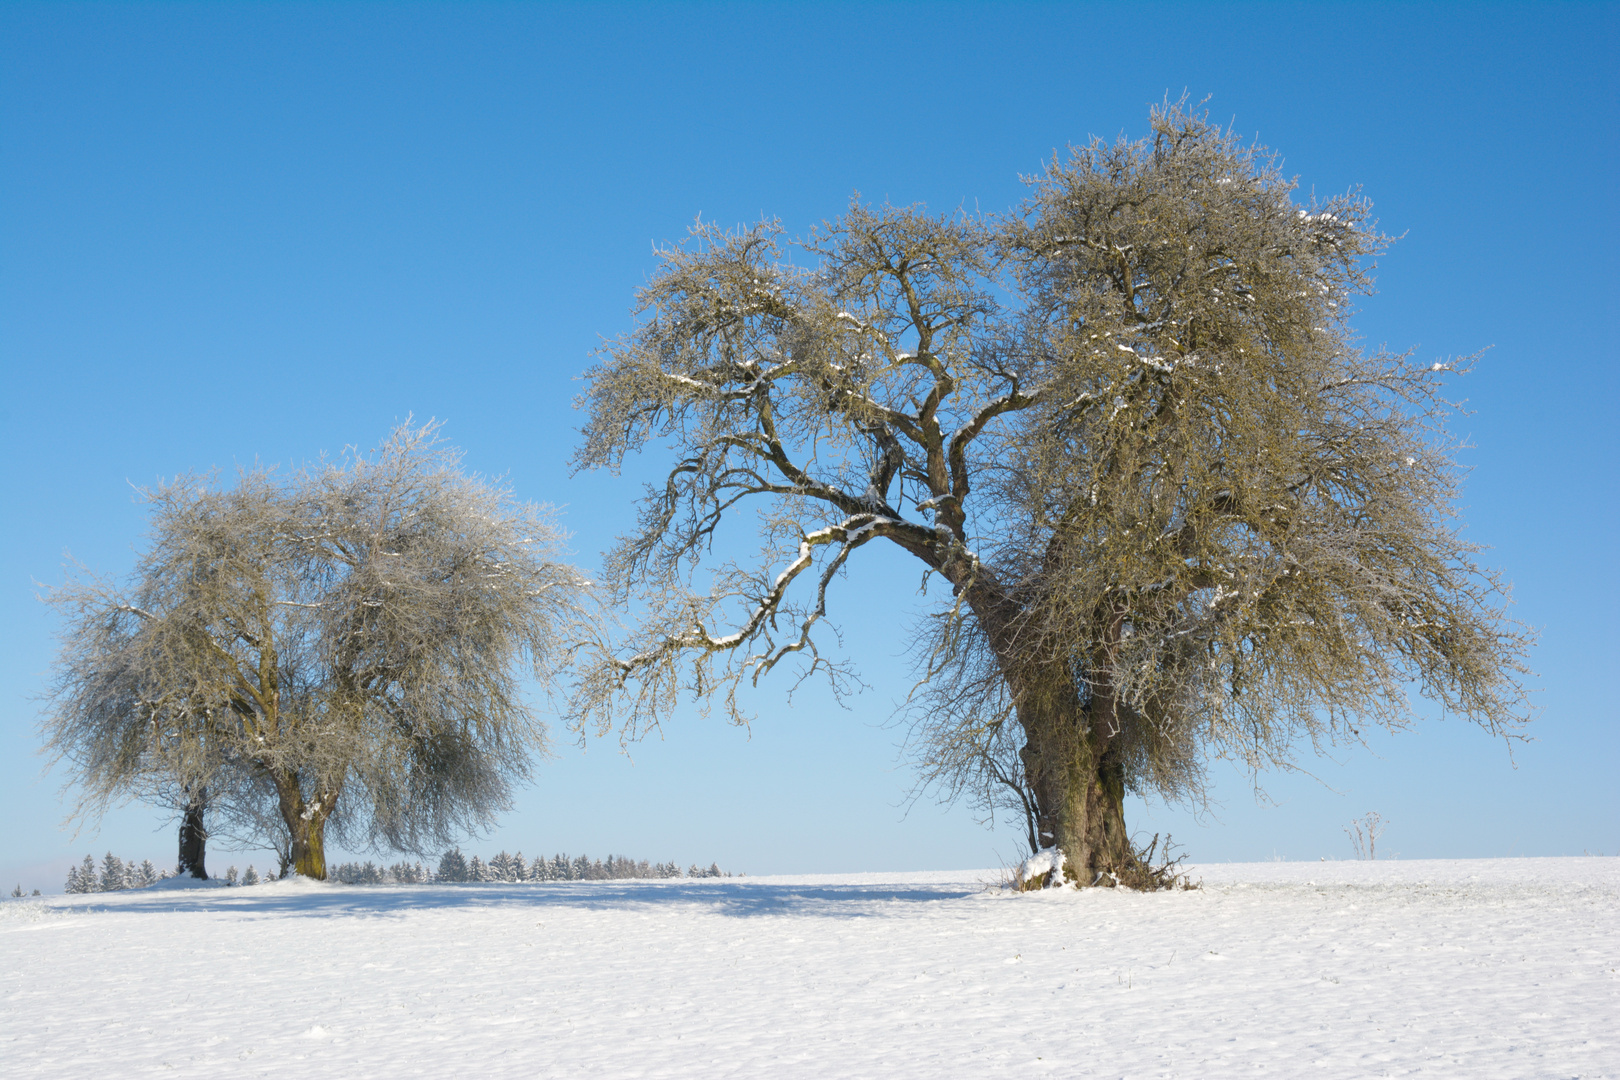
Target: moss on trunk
306	824
1077	779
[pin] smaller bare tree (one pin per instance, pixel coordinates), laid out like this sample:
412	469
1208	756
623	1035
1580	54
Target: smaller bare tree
1364	833
341	649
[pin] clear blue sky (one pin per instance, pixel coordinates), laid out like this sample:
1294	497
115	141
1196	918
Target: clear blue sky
231	232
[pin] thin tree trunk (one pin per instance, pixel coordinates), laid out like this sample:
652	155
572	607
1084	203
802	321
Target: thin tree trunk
194	836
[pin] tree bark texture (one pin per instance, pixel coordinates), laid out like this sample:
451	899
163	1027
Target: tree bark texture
1072	770
306	824
1075	776
194	836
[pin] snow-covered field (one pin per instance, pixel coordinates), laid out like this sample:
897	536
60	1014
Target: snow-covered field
1492	968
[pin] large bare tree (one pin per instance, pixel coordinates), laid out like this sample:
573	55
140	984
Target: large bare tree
1176	510
344	647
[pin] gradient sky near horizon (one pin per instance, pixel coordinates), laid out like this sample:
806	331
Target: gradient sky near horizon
239	232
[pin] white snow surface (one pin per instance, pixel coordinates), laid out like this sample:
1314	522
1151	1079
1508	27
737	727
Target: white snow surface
1488	968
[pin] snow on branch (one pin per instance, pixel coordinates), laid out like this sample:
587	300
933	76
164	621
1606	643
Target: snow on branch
647	682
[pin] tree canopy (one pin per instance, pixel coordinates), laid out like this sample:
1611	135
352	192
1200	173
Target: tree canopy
343	646
1176	508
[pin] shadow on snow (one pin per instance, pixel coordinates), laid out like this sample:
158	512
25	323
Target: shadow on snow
734	898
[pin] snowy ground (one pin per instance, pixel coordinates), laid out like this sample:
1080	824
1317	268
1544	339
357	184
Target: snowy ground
1499	968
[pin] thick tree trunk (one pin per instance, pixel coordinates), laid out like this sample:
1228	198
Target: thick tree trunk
306	824
194	836
1073	771
1077	779
309	847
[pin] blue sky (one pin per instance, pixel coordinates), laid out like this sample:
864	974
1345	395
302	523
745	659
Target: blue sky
239	232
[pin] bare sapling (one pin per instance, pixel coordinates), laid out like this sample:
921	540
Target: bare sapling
1364	833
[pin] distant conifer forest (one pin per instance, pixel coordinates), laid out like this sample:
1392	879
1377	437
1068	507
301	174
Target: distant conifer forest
114	874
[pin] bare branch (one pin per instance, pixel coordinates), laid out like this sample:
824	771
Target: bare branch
1180	513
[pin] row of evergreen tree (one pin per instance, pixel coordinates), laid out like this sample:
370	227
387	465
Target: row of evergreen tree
369	873
116	874
454	866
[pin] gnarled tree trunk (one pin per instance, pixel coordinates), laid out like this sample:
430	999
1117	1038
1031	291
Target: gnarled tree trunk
306	824
1075	776
1071	767
1080	796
